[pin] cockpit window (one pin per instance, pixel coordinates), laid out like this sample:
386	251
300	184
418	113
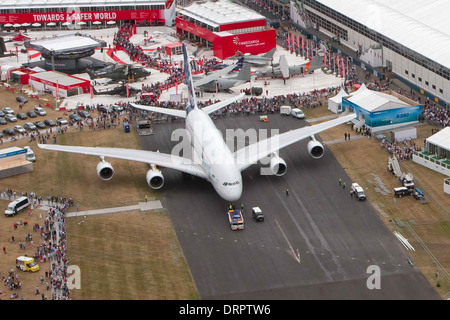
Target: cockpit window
229	184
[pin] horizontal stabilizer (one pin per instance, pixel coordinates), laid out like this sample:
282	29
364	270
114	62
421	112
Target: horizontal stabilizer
219	105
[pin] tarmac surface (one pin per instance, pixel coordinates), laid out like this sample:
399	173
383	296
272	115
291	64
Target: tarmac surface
315	243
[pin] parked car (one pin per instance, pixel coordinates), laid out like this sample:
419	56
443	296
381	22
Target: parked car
49	122
104	108
21	116
2	114
3	121
61	121
117	108
9	132
21	99
40	125
19	129
75	117
29	126
31	114
10	118
8	110
40	111
84	114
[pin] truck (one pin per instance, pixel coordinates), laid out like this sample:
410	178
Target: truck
30	156
27	264
257	214
236	219
402	191
357	191
285	110
297	113
407	180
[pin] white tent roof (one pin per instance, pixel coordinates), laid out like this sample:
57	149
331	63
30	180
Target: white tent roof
216	13
422	26
376	101
441	139
338	98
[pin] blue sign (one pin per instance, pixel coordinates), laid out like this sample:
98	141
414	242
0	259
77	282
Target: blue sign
384	117
13	153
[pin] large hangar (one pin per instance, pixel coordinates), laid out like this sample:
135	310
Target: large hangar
408	37
226	28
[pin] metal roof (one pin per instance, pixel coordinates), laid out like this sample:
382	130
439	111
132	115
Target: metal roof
61	78
220	12
422	26
65	44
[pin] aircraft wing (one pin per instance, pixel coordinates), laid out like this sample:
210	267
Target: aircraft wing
219	105
150	157
168	111
251	154
214	75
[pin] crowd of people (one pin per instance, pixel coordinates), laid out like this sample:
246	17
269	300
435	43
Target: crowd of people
435	114
403	150
52	249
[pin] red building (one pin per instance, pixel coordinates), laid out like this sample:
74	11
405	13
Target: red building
226	28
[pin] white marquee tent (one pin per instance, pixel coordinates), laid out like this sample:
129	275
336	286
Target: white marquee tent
335	103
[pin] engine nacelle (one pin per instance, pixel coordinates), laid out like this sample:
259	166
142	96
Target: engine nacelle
278	166
105	170
155	179
315	149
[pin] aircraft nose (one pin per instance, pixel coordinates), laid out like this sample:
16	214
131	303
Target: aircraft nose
231	194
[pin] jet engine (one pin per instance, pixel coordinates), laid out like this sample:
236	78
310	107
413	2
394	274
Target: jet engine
154	177
105	170
278	166
315	149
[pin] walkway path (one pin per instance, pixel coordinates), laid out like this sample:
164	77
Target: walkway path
143	206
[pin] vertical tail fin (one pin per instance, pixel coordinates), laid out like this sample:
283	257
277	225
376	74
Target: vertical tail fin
245	72
269	54
188	78
317	61
239	64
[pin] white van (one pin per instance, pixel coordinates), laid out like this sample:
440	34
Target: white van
40	111
285	110
17	206
30	156
297	113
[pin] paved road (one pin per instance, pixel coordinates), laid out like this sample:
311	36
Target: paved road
316	243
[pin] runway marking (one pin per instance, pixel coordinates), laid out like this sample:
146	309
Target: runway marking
295	254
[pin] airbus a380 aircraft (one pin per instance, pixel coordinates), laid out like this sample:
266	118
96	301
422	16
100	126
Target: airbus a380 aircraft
216	163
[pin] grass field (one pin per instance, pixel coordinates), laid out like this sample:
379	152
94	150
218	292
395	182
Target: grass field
132	255
136	255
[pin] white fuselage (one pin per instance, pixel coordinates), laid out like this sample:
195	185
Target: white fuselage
213	154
